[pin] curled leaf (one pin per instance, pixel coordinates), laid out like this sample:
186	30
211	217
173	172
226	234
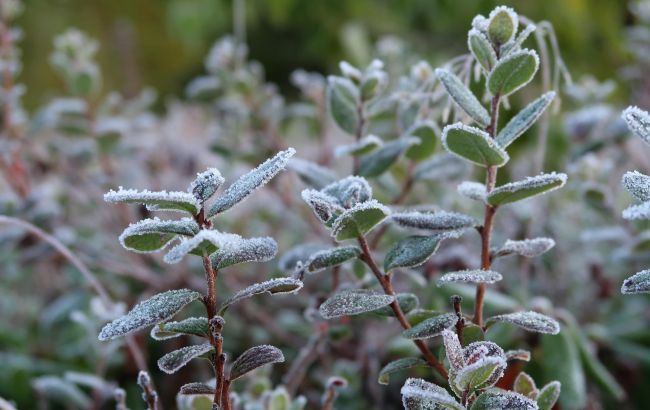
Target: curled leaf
206	184
197	326
353	302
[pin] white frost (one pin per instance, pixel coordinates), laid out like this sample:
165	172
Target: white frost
531	321
470	276
206	184
220	240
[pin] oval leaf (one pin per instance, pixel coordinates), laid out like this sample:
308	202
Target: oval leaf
353	302
418	394
462	96
531	321
470	276
331	257
637	283
253	358
342	103
529	187
426	133
412	251
504	400
502	25
482	373
434	221
638	121
513	72
359	220
246	250
481	49
431	327
155	201
473	145
273	286
197	326
174	361
524	119
398	365
150	235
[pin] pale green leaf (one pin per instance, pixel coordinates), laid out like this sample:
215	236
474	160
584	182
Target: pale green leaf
426	133
513	72
529	187
524	119
548	395
473	145
462	96
502	25
524	384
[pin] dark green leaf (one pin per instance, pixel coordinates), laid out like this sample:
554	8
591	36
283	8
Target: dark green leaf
353	302
253	358
513	72
431	327
412	251
379	160
529	187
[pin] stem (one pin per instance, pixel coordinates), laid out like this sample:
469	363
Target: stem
460	324
384	281
225	395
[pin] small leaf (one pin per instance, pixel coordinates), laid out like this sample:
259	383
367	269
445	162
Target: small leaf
398	365
249	182
638	121
155	201
523	355
273	286
197	326
531	321
470	276
524	384
483	373
174	361
641	211
481	49
426	133
453	349
342	102
529	248
312	173
253	358
412	251
379	160
353	302
473	145
246	250
440	167
191	389
156	309
529	187
513	72
524	119
364	146
637	283
434	221
503	400
406	301
331	257
462	96
472	333
325	206
205	242
349	191
359	220
151	235
206	184
548	395
431	327
502	25
418	394
638	185
472	190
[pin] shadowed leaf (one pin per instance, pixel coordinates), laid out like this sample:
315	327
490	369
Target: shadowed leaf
504	400
379	160
406	301
174	361
353	302
431	327
412	251
253	358
398	365
342	101
191	389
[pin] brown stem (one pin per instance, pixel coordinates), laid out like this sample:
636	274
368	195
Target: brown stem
225	395
384	281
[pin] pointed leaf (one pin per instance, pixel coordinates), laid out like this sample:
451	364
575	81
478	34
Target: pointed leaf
311	173
151	235
174	361
359	220
246	250
353	302
247	183
406	301
481	49
273	286
513	72
379	160
155	201
638	121
462	96
473	145
529	187
399	365
253	358
206	184
412	251
524	384
435	221
637	283
426	133
205	242
418	394
156	309
470	276
531	321
503	400
548	395
431	327
331	257
197	326
529	248
524	119
364	146
191	389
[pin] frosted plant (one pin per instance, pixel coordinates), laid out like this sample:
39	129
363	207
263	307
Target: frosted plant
195	234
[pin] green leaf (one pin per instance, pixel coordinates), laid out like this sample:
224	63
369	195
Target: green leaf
420	315
412	251
253	358
379	160
418	394
502	25
462	96
472	333
524	119
342	102
398	365
406	301
150	235
353	302
426	133
205	242
503	400
331	257
191	389
470	276
155	201
473	145
531	321
560	360
529	187
174	361
274	287
206	184
638	121
434	221
524	384
480	374
156	309
431	327
359	220
637	184
637	283
197	326
548	395
513	72
246	250
481	49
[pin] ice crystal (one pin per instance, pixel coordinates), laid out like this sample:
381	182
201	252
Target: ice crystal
353	302
197	326
637	184
253	358
637	283
434	221
312	173
529	320
246	250
174	361
431	327
472	190
418	394
272	286
529	248
206	184
249	182
504	400
470	276
207	241
158	308
152	235
638	121
331	257
156	201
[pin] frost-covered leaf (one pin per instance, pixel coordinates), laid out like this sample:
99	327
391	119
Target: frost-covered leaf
253	358
155	201
453	349
481	49
206	184
513	72
156	309
637	283
473	145
531	321
191	389
364	146
524	384
472	190
342	101
482	373
197	326
63	392
637	184
298	254
470	276
640	211
359	220
398	365
378	161
638	121
174	361
426	133
349	191
503	400
249	182
462	96
548	395
440	167
523	355
412	251
353	302
529	248
406	301
529	187
324	206
524	119
205	242
431	327
246	250
151	235
418	394
434	221
331	257
311	173
272	286
502	25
